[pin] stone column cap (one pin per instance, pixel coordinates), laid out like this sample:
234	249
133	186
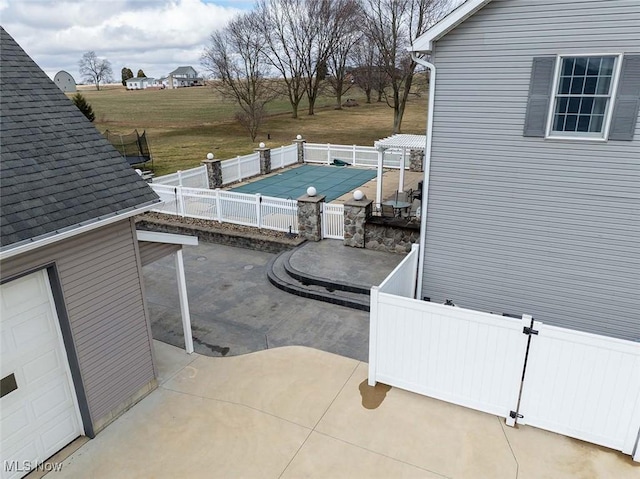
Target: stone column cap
361	203
311	199
207	161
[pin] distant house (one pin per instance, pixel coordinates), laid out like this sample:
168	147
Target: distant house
65	81
139	83
183	77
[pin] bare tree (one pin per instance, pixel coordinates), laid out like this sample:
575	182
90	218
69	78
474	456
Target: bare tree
340	78
94	69
240	73
392	25
365	65
330	20
283	29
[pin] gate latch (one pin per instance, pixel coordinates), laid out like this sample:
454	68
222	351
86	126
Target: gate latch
529	331
515	415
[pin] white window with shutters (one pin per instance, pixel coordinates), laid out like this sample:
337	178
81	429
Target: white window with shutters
583	90
584	97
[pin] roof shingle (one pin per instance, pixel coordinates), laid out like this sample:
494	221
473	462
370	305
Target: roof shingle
56	169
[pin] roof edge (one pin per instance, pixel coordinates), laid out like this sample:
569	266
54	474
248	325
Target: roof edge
424	43
44	240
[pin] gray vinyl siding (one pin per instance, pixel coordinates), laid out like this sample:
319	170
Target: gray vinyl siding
151	252
100	278
528	225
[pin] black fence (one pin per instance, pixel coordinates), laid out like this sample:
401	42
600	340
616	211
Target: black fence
133	147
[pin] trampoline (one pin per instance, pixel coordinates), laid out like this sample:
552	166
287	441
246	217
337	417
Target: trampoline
331	181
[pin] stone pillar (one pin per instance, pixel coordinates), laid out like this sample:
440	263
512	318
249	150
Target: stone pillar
214	172
416	160
310	217
265	159
299	141
356	214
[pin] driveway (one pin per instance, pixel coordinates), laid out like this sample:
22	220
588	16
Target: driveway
297	412
235	310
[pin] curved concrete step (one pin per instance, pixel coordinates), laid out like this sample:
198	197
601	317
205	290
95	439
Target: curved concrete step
330	285
279	277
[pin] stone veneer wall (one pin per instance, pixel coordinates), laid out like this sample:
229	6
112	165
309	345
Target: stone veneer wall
356	214
416	160
310	217
394	236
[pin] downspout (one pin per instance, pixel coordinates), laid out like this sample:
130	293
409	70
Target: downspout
427	168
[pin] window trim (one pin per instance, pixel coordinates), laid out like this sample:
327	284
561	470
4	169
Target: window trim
549	133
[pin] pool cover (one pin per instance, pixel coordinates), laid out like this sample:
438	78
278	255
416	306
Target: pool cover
331	181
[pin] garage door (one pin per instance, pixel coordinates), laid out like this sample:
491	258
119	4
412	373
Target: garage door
38	409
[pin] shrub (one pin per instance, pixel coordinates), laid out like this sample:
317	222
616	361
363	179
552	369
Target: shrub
82	104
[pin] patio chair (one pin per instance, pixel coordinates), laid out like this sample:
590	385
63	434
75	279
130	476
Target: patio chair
387	210
414	212
402	196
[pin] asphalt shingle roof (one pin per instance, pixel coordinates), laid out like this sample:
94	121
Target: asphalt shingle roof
57	171
183	71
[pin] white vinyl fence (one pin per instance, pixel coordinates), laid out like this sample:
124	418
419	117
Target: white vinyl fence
577	384
240	167
227	206
332	221
284	156
193	178
365	156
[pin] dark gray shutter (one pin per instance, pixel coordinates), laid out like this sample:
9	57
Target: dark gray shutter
625	109
535	123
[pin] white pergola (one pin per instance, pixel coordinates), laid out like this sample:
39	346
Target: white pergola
396	142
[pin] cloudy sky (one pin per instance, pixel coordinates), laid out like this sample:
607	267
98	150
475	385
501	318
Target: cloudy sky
155	35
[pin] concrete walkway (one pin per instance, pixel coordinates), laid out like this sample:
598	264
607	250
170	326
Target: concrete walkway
235	310
297	412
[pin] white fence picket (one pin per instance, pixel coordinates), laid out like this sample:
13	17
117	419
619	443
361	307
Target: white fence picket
577	384
583	385
193	178
230	207
333	221
461	356
284	156
365	156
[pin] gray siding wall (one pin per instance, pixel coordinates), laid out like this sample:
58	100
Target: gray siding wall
100	277
528	225
151	252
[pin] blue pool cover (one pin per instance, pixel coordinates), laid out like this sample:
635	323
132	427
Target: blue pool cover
331	181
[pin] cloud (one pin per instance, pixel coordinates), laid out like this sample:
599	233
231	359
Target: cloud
155	35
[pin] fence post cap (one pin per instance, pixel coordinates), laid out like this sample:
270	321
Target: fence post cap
209	156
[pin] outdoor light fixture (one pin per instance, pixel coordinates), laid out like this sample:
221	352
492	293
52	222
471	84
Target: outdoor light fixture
311	191
261	145
299	137
358	195
209	156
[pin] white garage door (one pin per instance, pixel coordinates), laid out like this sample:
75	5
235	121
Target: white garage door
38	409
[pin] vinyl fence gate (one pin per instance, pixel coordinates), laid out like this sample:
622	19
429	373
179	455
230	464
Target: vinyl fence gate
577	384
332	221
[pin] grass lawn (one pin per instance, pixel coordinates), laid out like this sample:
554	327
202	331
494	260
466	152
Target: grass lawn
183	125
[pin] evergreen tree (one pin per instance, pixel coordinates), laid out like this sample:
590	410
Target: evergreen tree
141	74
82	104
126	74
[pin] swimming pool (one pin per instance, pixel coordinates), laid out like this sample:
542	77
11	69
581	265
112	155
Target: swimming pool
331	181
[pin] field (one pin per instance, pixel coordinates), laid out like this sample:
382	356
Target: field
183	125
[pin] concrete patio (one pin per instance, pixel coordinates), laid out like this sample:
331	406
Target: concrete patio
299	412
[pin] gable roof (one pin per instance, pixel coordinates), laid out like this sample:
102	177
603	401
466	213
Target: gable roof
58	173
424	43
183	71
